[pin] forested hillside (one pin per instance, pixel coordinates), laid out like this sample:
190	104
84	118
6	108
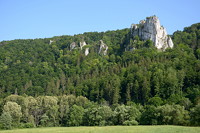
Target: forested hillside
143	78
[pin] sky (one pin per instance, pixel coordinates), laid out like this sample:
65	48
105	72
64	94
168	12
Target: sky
30	19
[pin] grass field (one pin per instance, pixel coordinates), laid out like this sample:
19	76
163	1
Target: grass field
109	129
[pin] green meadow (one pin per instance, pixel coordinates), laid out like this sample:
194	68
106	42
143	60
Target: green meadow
109	129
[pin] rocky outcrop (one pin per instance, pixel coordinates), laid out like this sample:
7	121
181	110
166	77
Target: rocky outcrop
103	48
87	51
50	42
72	46
150	29
82	44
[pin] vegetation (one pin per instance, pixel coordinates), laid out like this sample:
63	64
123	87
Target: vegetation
45	85
110	129
68	110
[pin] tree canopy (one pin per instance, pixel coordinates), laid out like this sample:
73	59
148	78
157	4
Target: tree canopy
48	84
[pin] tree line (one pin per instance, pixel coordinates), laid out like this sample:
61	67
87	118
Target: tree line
69	110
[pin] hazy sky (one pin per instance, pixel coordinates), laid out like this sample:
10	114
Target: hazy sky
29	19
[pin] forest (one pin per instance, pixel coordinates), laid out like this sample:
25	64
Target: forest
45	84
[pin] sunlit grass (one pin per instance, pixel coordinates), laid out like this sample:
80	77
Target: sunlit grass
109	129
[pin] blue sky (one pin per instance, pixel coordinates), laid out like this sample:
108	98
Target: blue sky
29	19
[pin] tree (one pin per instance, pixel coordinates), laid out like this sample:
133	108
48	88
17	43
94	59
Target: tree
49	105
63	109
133	116
105	115
120	114
145	91
170	86
20	100
75	116
63	82
126	115
14	110
156	101
128	92
186	103
32	110
112	88
82	101
44	120
172	114
35	91
148	116
5	121
51	88
195	115
91	117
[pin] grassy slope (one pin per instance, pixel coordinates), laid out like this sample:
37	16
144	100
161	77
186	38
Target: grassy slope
109	129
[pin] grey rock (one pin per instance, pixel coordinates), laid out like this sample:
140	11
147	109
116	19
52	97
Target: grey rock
103	48
87	51
82	44
150	29
50	42
72	46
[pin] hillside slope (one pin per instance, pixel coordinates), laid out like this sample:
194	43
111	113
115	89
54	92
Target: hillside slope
51	67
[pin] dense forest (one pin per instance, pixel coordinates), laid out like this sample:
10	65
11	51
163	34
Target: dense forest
46	83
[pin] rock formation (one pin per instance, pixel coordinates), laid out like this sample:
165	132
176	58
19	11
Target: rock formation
86	51
82	44
51	41
72	46
103	48
150	29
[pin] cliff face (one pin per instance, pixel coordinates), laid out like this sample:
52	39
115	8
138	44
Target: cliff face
103	48
150	29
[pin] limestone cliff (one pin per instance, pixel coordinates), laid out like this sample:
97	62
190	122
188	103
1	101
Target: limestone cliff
150	29
87	51
82	44
50	42
72	46
103	48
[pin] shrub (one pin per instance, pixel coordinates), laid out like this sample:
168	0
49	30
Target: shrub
195	115
28	125
6	120
130	123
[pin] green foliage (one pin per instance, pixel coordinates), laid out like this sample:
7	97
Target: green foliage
172	114
195	115
148	116
28	125
5	120
44	120
75	116
98	116
14	110
133	70
130	123
41	83
156	101
126	115
105	115
69	110
49	109
189	36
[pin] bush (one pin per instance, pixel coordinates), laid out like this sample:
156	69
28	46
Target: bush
6	121
75	116
195	115
172	114
130	123
155	101
148	116
28	125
